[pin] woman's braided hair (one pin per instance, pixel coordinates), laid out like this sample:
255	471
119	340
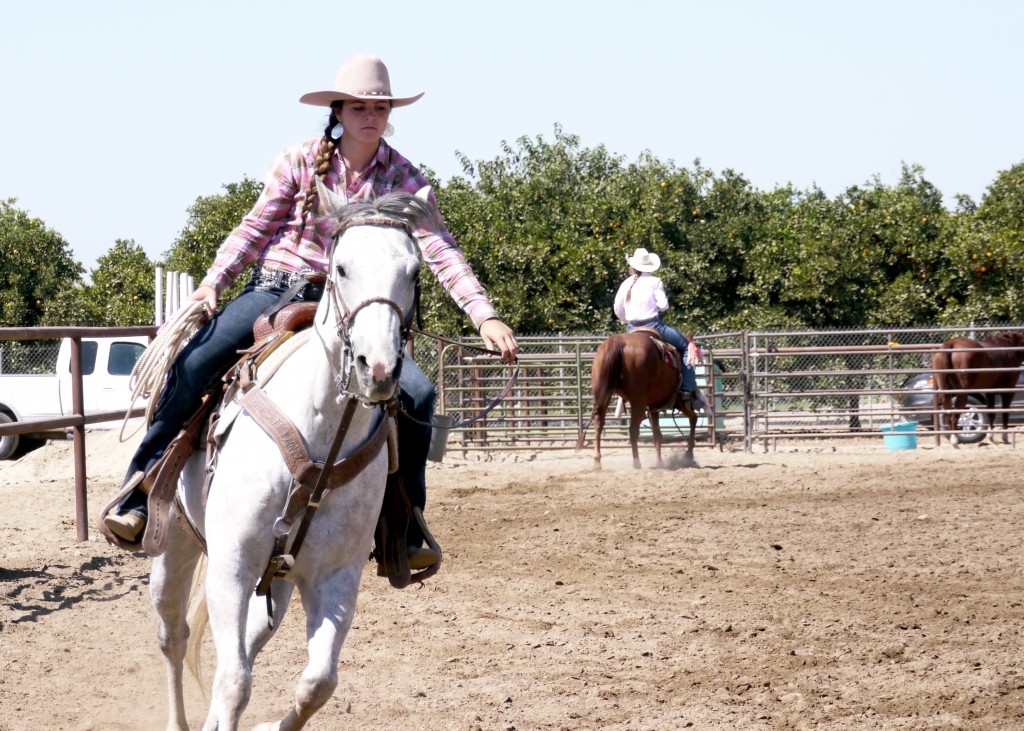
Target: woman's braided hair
322	163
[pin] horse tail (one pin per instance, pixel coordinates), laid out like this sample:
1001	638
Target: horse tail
942	366
198	619
607	374
605	377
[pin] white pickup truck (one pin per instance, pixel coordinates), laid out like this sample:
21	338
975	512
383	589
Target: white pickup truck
107	364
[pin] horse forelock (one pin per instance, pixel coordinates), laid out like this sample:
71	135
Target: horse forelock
397	207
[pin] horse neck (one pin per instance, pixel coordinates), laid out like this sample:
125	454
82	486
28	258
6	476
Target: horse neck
307	386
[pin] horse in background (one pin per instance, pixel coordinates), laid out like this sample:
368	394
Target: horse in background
966	365
631	365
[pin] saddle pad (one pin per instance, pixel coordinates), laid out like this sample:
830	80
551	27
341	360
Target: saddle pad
264	372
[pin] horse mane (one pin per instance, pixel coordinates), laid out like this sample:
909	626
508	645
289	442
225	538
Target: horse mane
398	206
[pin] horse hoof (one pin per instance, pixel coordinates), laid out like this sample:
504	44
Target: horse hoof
636	464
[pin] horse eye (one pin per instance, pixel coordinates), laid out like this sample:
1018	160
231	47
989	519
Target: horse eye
340	270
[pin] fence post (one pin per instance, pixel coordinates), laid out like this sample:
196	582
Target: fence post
78	446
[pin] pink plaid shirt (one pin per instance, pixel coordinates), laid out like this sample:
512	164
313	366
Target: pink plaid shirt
267	235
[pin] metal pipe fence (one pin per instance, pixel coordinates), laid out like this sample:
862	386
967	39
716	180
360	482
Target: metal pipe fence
766	387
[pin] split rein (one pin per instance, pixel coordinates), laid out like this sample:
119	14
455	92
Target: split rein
482	351
344	316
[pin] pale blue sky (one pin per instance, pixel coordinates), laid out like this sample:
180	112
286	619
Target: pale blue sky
118	114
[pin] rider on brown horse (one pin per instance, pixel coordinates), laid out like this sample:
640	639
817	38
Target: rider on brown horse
639	303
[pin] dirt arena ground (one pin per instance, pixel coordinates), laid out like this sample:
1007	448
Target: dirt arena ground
837	586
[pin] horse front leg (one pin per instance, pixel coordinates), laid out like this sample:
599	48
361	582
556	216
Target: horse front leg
228	587
1007	400
653	417
170	584
330	607
957	404
693	436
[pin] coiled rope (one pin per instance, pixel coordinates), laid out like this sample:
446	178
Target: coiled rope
150	371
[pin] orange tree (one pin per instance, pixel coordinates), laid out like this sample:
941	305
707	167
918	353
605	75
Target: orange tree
36	265
210	219
983	280
121	292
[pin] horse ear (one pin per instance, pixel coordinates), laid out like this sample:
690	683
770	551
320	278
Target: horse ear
327	202
424	193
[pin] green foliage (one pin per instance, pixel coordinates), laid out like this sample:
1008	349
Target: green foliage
36	266
210	219
121	293
547	225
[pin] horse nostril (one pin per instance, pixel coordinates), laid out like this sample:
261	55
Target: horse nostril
380	372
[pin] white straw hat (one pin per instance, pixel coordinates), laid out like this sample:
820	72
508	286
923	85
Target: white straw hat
644	261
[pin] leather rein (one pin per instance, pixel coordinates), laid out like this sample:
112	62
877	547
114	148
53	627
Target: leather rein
344	316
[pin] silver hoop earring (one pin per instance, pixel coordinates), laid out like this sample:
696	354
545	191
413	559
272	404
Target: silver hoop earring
389	130
336	131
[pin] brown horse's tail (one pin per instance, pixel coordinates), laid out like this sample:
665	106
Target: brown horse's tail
605	377
942	360
607	374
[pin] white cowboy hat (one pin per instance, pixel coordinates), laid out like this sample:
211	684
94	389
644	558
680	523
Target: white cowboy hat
644	261
362	77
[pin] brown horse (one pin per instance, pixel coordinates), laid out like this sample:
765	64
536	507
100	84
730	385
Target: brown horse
967	365
631	365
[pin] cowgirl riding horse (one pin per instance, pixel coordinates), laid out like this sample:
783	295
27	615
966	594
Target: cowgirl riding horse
279	236
639	303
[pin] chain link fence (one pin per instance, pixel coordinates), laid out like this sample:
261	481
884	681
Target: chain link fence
28	357
767	386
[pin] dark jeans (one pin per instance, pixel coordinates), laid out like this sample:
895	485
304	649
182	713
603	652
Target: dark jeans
417	395
214	349
672	336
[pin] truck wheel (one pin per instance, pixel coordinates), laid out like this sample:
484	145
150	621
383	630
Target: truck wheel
8	442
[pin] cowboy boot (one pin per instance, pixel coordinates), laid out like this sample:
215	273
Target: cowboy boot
126	516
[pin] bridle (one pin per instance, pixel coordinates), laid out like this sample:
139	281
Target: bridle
345	315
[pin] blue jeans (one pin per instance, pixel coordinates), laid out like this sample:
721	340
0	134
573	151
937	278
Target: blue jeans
417	396
214	349
672	336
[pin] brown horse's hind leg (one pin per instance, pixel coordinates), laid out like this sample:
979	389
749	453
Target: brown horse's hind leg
636	415
599	415
653	415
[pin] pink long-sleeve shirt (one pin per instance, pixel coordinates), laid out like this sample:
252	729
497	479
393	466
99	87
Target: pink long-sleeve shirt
268	234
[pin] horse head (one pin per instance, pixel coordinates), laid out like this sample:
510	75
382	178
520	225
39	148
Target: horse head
366	313
1016	340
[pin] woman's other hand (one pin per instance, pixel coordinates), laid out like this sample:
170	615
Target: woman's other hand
208	296
499	336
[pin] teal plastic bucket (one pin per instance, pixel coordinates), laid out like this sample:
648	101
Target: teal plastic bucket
900	436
